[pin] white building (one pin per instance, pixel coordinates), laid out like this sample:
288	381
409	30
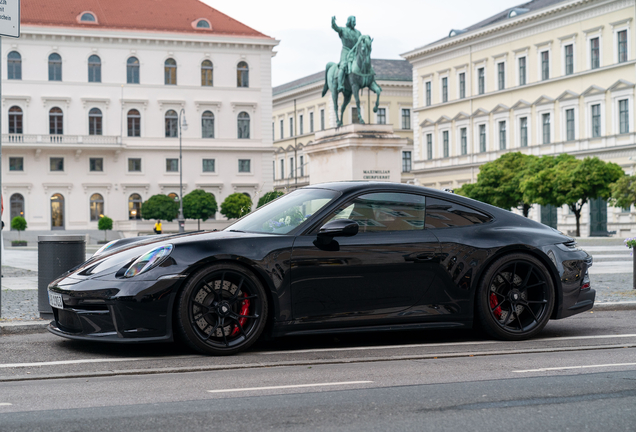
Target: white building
544	78
91	97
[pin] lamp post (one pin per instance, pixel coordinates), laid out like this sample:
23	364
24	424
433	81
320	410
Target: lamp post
183	126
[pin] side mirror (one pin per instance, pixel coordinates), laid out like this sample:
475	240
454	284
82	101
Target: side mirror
339	228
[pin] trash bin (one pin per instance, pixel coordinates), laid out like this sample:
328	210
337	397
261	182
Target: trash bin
56	255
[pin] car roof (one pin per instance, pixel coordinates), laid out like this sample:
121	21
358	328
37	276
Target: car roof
361	185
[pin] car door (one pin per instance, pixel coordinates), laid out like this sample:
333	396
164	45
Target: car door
374	275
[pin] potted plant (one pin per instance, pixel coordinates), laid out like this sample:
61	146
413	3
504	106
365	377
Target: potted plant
18	223
105	224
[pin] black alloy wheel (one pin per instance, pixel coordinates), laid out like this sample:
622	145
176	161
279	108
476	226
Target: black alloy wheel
222	310
515	298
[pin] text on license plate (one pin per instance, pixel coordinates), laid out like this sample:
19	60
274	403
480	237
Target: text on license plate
55	300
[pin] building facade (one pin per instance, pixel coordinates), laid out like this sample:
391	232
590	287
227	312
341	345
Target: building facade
549	77
300	110
96	95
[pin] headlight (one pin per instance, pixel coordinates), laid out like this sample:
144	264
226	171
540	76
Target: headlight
149	260
103	248
568	246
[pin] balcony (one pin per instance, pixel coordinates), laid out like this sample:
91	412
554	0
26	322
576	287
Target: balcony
24	140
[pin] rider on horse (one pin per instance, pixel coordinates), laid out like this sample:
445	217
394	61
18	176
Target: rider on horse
349	37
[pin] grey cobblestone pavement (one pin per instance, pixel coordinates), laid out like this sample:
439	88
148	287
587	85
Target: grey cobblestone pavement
611	276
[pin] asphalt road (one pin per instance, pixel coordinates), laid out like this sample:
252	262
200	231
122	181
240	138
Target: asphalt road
580	374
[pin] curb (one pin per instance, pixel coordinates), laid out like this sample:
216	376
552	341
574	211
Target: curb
615	306
23	327
40	326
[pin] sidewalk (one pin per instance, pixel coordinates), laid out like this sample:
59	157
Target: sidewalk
611	277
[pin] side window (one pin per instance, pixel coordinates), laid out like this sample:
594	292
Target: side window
387	211
446	214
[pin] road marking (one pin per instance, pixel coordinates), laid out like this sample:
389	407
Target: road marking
5	404
443	344
603	248
289	386
68	362
376	347
574	367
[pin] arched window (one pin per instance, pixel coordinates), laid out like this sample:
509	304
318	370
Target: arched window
172	124
173	196
97	207
55	67
242	75
15	120
134	206
95	121
57	212
17	205
207	125
206	73
170	72
243	125
14	65
94	69
56	118
132	70
203	24
134	123
88	17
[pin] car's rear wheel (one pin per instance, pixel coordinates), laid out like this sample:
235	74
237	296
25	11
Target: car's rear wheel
222	310
515	298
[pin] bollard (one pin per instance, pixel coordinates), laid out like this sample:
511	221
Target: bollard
56	255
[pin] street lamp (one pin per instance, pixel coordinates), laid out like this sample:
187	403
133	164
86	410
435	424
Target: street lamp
183	126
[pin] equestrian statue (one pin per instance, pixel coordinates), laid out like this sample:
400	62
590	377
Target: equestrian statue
354	72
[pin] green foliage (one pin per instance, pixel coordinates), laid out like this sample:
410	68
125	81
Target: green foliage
269	196
236	205
105	224
18	223
498	182
572	182
160	207
199	205
624	192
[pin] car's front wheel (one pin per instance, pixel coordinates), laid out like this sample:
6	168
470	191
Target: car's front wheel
221	310
515	297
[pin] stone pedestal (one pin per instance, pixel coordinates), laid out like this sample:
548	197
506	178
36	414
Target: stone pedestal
356	152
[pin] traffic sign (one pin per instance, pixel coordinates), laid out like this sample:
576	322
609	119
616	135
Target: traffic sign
10	18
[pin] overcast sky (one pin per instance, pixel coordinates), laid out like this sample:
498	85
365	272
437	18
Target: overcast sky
307	42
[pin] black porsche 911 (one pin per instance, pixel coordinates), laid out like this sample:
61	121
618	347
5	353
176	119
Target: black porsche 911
335	257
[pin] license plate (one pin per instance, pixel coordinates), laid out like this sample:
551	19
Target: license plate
55	300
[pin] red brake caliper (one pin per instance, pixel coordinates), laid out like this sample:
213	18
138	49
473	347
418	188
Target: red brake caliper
245	310
493	303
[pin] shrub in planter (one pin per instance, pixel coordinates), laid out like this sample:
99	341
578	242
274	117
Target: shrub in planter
18	242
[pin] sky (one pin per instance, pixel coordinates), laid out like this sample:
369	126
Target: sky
307	42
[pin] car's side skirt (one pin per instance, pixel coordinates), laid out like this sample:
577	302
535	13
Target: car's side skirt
394	327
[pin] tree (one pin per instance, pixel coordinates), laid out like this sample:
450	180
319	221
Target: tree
236	205
199	205
498	182
572	182
269	196
624	192
18	223
160	207
105	224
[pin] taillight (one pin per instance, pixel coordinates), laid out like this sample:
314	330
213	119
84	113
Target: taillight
586	282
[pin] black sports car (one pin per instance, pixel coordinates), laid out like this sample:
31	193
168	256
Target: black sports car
335	257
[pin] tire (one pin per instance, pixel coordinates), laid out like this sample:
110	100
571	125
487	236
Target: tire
221	310
515	298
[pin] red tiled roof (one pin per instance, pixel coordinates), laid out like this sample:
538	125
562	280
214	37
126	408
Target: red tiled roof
151	15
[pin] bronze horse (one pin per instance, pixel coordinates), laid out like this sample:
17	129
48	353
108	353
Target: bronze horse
360	74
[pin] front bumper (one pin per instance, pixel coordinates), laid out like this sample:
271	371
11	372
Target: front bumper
115	311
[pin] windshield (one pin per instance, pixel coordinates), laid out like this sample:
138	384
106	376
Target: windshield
286	213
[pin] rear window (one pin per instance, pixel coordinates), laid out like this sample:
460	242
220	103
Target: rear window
445	214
